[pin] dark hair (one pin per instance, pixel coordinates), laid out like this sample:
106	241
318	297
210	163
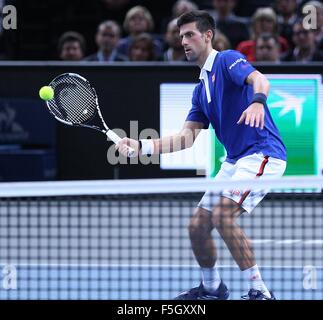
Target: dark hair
110	23
204	21
71	36
266	36
299	22
148	40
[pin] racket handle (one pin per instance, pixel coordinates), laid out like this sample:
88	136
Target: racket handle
115	138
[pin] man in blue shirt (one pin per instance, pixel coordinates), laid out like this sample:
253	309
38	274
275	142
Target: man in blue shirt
232	97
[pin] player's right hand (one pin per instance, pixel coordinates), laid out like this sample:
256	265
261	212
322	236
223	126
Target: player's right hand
123	146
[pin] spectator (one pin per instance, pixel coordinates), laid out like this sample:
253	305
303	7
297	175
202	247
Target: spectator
178	8
175	51
71	46
142	48
183	6
233	27
264	20
107	38
267	48
287	16
138	20
305	47
221	42
318	31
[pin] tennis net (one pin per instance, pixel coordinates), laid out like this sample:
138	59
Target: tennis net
128	239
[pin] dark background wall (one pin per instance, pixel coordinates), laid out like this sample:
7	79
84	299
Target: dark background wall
126	93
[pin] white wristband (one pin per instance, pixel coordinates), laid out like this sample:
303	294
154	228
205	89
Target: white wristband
147	146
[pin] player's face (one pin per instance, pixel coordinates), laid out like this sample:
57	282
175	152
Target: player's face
194	42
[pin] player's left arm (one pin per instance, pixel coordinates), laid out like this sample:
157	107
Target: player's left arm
254	115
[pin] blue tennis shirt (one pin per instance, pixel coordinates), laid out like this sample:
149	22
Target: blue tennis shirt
221	97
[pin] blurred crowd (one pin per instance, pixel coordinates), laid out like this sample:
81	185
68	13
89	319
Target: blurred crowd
128	30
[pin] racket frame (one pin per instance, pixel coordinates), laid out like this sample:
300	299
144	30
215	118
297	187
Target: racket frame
107	131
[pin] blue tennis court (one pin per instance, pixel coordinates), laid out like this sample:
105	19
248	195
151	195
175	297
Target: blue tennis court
136	283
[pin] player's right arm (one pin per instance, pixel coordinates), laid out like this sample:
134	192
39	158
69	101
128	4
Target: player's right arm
176	142
182	140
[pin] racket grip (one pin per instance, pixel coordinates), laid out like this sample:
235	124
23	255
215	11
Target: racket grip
115	138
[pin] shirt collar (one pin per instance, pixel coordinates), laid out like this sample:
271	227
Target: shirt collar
208	63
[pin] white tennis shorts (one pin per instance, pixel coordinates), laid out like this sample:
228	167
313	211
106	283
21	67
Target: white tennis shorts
250	167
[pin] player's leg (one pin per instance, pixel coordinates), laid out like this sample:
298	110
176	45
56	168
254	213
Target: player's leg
204	249
203	246
253	166
224	220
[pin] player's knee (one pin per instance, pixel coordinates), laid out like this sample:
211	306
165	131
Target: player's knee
223	216
219	221
200	223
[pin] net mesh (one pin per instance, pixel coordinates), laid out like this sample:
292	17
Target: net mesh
129	239
74	100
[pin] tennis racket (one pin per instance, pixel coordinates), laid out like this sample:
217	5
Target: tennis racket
75	103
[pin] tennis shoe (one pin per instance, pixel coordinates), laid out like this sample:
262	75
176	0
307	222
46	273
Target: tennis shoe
254	294
199	293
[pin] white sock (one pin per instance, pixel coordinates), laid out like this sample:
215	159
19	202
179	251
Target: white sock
255	281
210	278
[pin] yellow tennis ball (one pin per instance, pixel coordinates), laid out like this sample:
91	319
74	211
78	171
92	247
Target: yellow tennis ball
46	93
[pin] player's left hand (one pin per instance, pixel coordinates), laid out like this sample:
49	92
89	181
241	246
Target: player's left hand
253	116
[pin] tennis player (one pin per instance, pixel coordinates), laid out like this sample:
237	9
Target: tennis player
231	95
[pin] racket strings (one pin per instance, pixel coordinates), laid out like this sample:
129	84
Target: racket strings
74	100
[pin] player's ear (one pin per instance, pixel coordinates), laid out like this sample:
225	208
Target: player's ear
209	35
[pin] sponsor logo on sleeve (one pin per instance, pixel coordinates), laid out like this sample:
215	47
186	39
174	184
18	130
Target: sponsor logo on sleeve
236	62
